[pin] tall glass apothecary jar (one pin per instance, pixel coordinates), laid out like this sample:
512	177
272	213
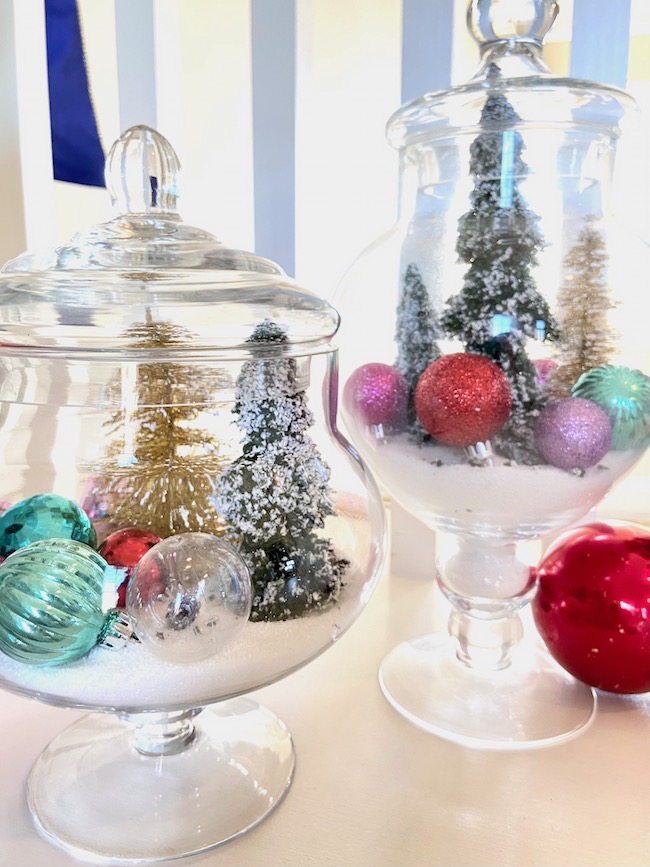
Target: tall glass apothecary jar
181	520
504	388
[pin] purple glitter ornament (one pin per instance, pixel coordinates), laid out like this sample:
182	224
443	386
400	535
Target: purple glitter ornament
573	433
377	393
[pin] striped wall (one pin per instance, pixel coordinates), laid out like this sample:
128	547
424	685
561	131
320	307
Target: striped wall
276	107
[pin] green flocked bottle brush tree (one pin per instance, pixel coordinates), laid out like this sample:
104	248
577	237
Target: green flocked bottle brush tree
416	335
275	496
499	307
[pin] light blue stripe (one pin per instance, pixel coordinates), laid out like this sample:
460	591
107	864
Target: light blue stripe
274	123
600	41
507	168
136	62
427	28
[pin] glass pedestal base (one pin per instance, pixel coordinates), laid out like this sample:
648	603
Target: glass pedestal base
97	796
531	703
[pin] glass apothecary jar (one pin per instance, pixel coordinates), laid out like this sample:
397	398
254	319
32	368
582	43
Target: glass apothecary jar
503	388
181	522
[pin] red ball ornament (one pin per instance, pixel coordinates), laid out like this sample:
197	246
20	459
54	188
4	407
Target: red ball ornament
377	393
592	606
462	399
124	549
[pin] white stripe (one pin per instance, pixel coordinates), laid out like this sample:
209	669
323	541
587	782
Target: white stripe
25	143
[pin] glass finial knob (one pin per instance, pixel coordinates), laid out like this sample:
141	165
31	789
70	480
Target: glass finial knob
492	21
142	171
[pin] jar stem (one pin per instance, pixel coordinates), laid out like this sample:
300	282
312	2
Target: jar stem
485	644
486	584
162	734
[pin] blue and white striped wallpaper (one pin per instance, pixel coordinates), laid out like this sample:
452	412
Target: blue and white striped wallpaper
277	107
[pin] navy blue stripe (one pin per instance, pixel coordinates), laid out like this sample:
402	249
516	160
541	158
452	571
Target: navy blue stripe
274	122
77	153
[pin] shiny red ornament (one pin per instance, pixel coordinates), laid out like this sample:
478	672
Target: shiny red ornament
592	606
462	399
124	549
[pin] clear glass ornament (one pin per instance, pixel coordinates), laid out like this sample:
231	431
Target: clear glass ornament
189	596
504	282
167	383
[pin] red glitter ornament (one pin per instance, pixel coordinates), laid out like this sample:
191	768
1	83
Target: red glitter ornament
462	399
592	606
124	549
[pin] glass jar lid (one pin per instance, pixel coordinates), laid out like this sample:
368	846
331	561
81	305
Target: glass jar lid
146	263
510	37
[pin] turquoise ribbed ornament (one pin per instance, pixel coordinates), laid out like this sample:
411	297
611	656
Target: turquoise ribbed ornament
624	394
44	516
51	602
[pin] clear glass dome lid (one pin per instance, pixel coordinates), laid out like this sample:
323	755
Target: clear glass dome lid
147	262
510	37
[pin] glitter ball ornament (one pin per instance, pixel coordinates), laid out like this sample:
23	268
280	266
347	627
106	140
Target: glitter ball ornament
123	549
624	394
462	399
573	433
593	606
189	595
543	368
378	393
51	603
44	516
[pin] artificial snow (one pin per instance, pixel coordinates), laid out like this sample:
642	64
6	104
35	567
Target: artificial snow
132	678
438	485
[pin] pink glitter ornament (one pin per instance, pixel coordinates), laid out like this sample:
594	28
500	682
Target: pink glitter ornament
573	433
377	394
462	399
544	367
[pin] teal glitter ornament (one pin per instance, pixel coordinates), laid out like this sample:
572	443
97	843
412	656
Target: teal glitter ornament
51	603
44	516
624	394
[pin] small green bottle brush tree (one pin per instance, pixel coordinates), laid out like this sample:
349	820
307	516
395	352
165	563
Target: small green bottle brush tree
416	335
275	497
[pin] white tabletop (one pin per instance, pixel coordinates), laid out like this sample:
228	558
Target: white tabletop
372	790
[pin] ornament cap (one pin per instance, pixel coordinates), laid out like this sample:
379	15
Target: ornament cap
116	630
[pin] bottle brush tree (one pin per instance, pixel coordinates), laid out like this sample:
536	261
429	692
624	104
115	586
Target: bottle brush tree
161	465
416	333
584	304
275	496
499	308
